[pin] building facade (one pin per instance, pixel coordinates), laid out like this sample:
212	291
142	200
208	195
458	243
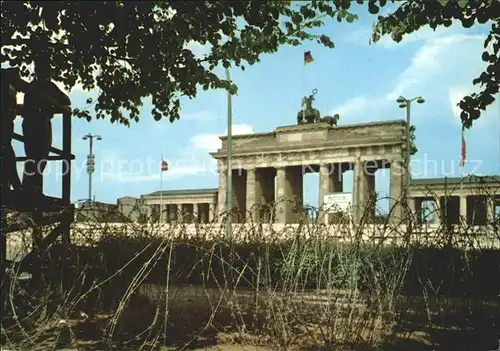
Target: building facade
189	205
268	170
470	200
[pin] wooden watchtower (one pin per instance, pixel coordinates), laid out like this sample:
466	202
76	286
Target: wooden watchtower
45	210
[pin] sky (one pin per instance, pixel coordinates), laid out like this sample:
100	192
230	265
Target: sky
359	81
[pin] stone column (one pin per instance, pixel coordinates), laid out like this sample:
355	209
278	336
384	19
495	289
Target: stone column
221	194
202	212
211	212
239	195
463	209
195	213
325	187
417	203
396	191
251	195
164	213
178	213
289	193
157	211
172	212
370	171
295	192
490	209
412	208
265	193
280	195
361	190
186	213
437	213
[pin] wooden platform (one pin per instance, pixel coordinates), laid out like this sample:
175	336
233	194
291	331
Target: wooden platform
22	202
21	211
47	209
17	224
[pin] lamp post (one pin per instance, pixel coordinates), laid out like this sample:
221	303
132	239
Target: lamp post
406	103
90	160
229	184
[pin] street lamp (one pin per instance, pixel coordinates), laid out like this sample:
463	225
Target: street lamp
406	103
229	181
90	160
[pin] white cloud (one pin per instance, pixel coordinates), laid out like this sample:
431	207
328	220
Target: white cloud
241	129
362	34
199	50
201	116
115	167
208	142
431	71
211	142
423	34
194	160
352	107
455	94
427	63
172	173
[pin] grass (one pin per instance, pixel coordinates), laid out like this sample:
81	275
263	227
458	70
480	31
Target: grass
143	286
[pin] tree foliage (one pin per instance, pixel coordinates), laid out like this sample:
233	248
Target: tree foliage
413	146
131	50
414	14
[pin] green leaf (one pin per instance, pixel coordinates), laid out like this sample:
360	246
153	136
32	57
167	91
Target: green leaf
485	56
351	18
140	52
411	15
373	8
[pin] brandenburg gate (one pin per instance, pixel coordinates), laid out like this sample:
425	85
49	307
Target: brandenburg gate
268	168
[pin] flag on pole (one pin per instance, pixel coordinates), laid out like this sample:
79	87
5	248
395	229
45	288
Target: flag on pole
164	165
308	57
464	150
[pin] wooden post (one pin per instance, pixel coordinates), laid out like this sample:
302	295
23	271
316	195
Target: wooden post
3	265
66	181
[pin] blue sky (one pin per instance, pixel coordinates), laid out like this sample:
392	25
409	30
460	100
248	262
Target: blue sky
359	81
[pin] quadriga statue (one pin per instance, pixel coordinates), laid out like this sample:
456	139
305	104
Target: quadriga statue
332	121
308	114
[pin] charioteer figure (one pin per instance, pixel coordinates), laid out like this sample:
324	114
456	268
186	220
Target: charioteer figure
37	124
308	114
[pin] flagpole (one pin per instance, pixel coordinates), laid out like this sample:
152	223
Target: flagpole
304	74
304	85
161	187
307	59
462	159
